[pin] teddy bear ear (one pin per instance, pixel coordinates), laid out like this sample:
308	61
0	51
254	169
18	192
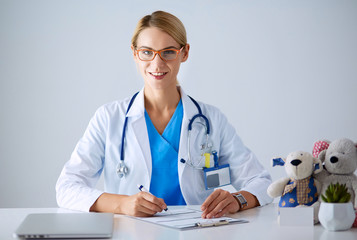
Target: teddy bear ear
317	165
320	146
278	161
322	155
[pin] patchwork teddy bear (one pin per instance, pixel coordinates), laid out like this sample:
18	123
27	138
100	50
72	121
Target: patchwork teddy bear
340	162
300	188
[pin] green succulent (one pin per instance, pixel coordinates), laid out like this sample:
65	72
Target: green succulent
336	193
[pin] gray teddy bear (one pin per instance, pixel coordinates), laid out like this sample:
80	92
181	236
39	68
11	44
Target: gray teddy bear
340	163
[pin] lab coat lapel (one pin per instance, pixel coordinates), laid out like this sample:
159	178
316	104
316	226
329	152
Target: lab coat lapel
189	110
136	114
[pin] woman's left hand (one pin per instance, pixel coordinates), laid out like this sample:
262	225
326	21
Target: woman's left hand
219	203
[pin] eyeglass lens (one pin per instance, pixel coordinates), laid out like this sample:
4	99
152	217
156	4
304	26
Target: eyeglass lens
168	54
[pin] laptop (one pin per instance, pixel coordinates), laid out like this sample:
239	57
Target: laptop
66	225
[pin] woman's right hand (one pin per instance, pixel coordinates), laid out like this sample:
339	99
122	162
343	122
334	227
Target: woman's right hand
141	204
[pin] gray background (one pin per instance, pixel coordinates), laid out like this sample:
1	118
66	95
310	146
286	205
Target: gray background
284	72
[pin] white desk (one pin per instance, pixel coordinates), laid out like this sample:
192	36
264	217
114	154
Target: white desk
263	225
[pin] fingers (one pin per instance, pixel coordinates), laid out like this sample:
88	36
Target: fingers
145	204
219	203
155	203
209	200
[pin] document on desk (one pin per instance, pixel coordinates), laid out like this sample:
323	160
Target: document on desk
187	218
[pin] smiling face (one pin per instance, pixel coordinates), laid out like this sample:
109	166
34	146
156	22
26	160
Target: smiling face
159	74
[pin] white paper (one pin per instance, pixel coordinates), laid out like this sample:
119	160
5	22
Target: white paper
184	218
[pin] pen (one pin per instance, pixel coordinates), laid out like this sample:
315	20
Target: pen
143	189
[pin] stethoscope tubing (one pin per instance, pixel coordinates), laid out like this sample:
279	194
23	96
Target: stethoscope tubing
121	172
124	127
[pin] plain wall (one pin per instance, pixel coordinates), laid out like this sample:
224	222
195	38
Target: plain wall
284	73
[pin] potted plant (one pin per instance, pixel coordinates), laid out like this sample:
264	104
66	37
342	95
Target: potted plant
336	211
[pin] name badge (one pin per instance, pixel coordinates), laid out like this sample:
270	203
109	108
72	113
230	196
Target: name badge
217	176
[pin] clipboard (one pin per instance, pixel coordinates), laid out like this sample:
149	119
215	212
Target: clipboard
217	223
185	218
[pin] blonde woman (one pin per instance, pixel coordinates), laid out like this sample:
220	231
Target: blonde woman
145	140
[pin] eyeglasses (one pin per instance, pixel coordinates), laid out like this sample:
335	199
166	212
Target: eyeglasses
165	54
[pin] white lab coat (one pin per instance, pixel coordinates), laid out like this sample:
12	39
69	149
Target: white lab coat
99	151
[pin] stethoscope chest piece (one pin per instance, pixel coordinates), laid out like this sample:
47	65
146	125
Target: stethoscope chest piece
122	170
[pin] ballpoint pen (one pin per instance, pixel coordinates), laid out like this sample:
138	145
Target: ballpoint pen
143	189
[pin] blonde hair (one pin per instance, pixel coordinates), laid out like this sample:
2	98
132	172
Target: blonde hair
164	21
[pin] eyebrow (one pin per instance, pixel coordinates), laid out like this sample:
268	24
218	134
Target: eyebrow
170	47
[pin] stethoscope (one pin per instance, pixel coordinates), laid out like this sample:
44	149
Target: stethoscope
122	169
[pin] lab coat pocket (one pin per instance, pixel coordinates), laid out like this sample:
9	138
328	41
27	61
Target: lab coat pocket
198	161
197	143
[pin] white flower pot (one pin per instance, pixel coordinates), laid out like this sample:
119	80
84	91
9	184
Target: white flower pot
336	216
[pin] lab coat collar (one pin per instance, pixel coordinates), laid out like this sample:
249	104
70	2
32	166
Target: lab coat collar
138	107
189	107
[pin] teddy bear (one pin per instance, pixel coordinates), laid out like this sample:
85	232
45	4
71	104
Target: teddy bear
339	160
299	188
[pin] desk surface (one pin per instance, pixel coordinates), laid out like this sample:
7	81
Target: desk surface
263	225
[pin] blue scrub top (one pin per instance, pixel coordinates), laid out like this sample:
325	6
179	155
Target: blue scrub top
164	154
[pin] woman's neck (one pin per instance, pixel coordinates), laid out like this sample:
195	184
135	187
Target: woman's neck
161	100
161	105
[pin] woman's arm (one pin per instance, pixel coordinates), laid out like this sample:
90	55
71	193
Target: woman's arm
221	202
248	176
141	204
75	188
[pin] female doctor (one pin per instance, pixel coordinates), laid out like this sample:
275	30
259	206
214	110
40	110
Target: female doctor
157	150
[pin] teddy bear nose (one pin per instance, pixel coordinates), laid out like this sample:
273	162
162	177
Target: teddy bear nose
333	159
295	162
